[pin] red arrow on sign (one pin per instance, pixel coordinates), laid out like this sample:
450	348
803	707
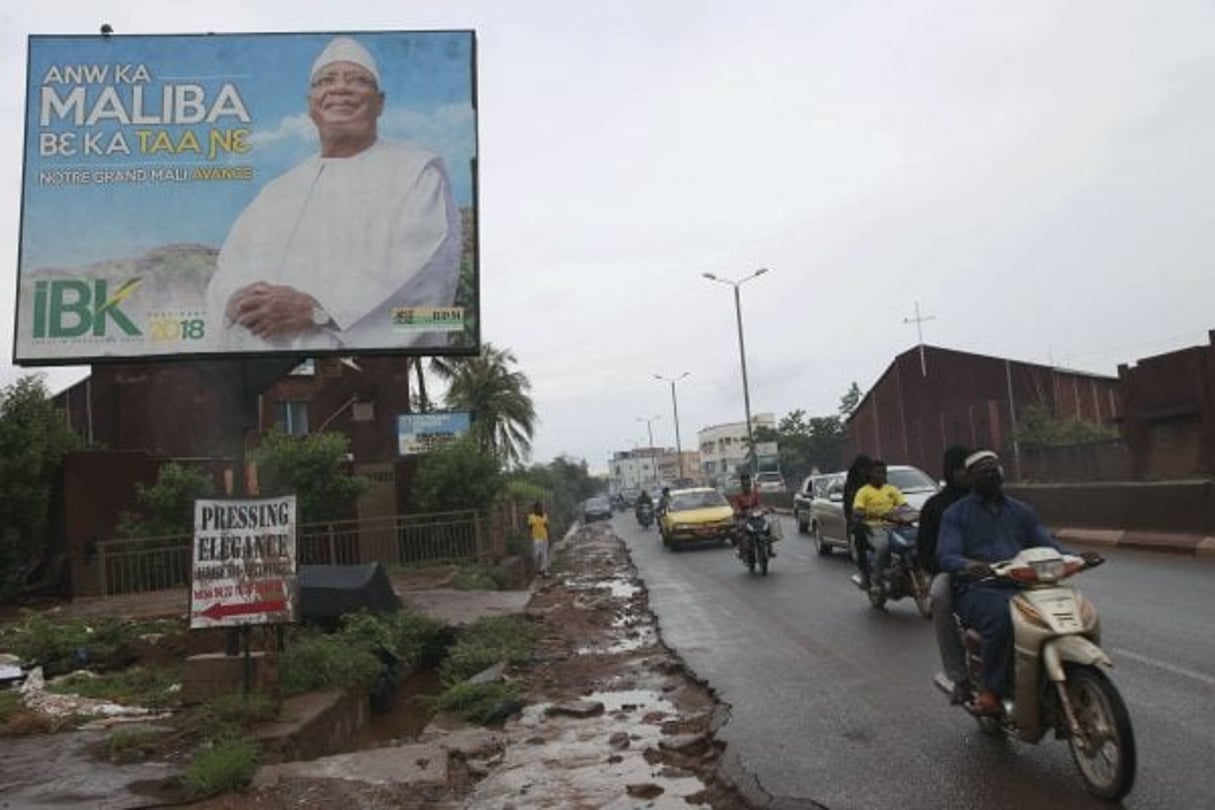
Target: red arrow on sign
220	611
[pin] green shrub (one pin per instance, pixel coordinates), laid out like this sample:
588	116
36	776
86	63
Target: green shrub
479	702
416	638
487	641
478	577
323	662
223	765
150	687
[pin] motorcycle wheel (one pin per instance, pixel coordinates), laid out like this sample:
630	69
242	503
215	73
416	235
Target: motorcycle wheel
919	584
1105	754
877	598
749	559
761	552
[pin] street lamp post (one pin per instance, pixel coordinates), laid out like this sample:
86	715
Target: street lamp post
649	429
675	408
742	354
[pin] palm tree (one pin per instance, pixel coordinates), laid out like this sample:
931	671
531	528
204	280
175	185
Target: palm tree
504	418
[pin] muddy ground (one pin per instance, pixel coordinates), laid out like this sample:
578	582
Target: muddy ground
647	741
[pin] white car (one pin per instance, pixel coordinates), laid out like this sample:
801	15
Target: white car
769	482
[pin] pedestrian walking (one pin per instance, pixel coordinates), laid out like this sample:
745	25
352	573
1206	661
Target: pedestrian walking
537	521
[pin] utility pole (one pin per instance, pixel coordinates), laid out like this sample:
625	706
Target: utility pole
675	408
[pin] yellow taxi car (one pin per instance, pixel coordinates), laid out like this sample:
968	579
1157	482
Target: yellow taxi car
696	515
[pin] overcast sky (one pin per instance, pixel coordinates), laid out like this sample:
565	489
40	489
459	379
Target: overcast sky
1040	176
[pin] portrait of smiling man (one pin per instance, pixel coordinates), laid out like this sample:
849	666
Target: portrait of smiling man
325	252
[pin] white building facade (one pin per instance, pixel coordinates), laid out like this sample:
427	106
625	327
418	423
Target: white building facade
723	448
634	470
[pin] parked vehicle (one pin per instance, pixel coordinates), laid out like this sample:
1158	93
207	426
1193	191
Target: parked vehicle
696	515
597	508
755	538
770	482
1059	680
645	515
903	576
823	507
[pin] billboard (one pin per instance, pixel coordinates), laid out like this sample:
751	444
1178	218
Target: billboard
227	195
244	562
422	432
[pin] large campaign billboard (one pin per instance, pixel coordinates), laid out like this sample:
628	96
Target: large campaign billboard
220	195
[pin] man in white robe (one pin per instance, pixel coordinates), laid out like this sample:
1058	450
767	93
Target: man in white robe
326	252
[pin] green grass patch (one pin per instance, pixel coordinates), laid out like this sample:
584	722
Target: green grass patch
487	641
72	643
10	704
222	765
478	577
319	661
479	702
150	687
127	745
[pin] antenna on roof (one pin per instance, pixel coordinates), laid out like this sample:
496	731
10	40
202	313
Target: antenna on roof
918	320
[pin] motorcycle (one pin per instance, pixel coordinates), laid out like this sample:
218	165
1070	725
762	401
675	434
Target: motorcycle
645	516
1059	679
903	576
755	535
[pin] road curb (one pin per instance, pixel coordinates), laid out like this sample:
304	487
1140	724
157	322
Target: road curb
1162	542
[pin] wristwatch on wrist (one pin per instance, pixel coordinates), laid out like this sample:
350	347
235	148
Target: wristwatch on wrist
320	318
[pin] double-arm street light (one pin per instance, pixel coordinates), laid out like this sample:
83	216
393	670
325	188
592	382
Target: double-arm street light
649	429
742	353
675	408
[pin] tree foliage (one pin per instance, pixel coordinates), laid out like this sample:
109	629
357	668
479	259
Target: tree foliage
851	398
458	475
314	468
806	443
497	395
34	437
568	483
166	507
1037	426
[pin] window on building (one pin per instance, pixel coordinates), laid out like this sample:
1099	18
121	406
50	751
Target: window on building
291	417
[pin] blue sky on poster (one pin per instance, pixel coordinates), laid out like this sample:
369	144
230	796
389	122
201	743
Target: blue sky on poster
1039	176
427	81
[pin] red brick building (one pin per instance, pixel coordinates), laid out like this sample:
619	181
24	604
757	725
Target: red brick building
1169	422
915	410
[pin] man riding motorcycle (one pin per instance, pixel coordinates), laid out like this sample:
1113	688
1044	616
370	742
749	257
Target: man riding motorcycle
985	527
748	498
875	504
642	500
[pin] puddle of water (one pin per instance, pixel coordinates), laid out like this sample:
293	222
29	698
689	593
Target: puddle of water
570	762
620	587
408	715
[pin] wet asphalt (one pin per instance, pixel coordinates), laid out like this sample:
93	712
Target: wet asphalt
832	701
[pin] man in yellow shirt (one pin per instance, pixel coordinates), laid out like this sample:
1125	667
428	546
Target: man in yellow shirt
874	504
537	521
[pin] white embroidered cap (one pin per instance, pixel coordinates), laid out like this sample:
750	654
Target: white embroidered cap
980	455
345	49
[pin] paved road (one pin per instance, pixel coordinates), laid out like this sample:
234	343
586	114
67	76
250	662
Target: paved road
833	701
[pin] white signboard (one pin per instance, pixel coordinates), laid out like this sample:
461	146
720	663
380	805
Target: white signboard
244	562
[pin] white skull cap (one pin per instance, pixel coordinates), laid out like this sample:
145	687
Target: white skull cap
981	455
345	49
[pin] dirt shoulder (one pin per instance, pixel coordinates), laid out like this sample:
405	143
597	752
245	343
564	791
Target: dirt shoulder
612	717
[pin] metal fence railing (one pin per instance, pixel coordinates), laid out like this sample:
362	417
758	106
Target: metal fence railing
141	565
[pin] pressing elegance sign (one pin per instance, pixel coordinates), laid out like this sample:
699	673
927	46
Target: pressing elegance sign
244	562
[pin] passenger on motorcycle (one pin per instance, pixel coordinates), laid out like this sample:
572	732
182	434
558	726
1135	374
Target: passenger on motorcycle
986	527
748	498
957	485
664	500
858	476
875	504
